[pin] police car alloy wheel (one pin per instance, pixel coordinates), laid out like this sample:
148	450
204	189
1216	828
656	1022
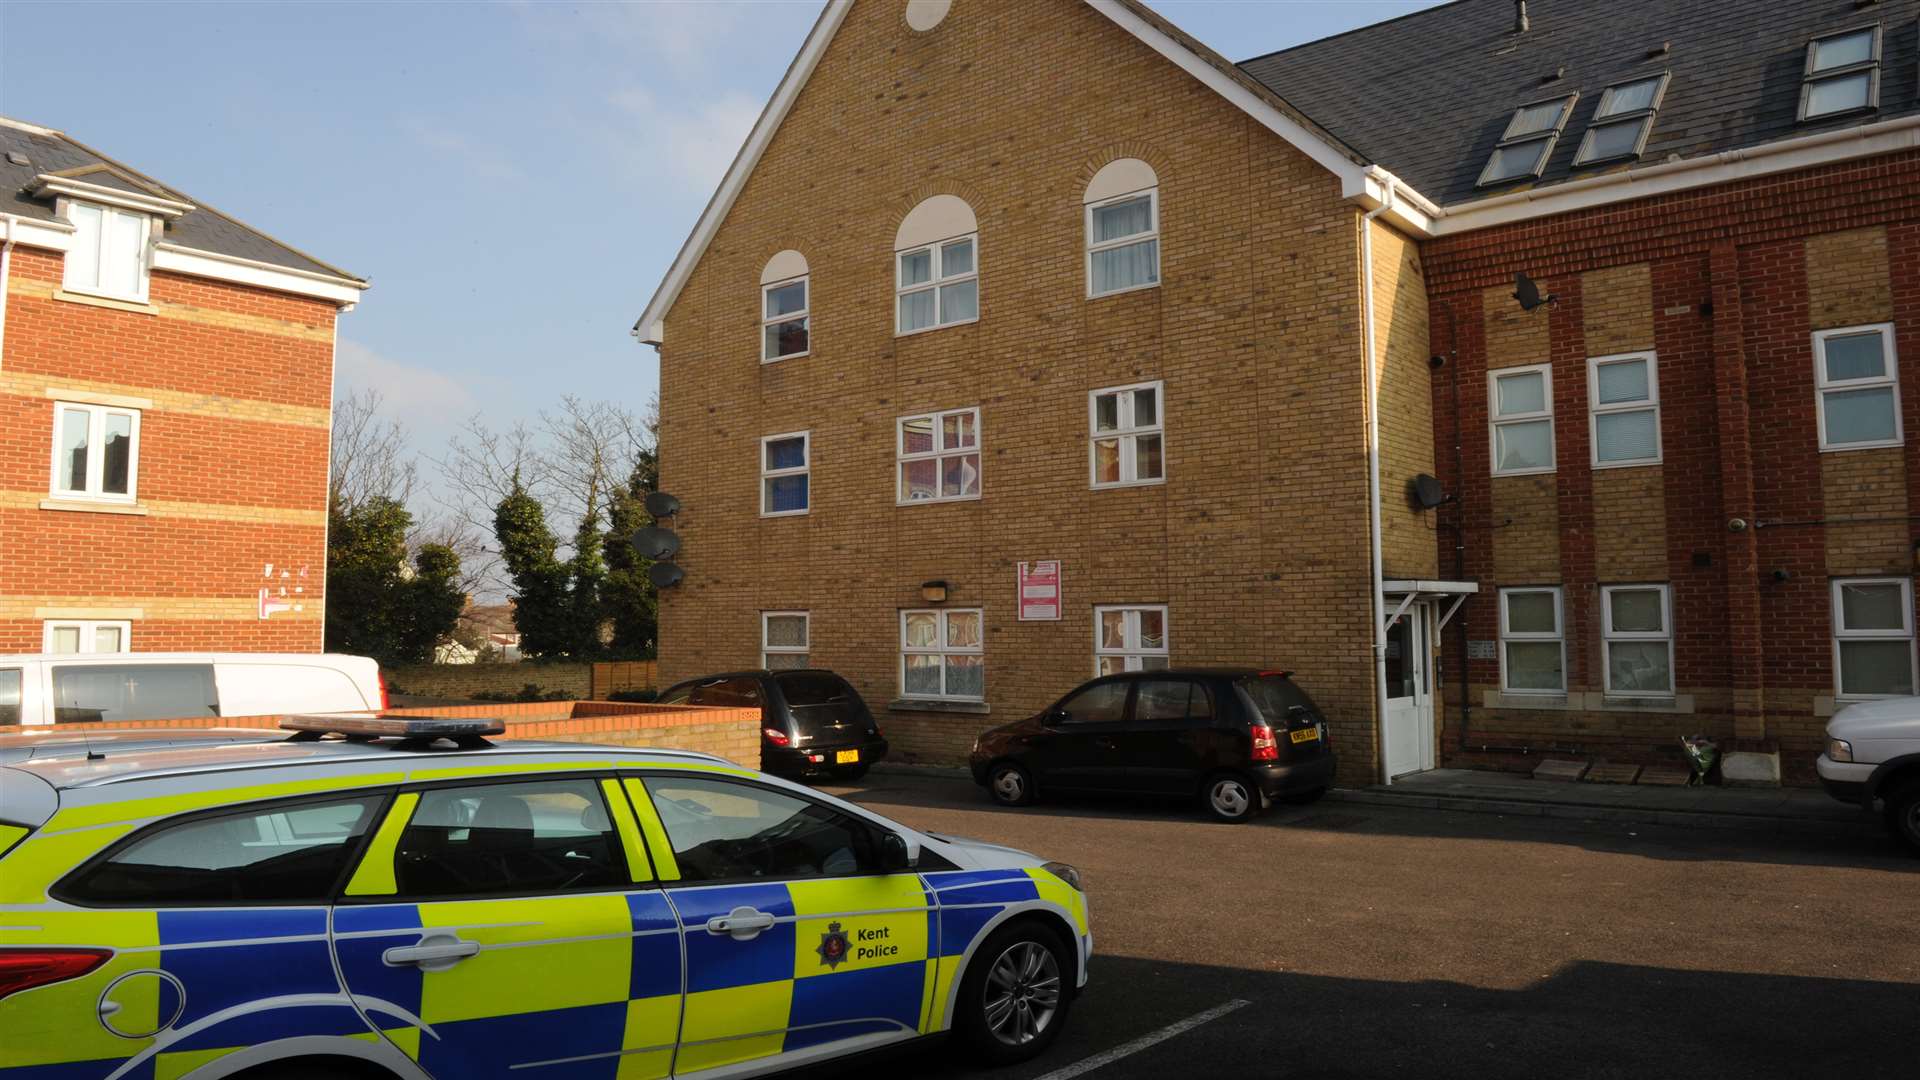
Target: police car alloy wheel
1015	994
1230	797
1010	784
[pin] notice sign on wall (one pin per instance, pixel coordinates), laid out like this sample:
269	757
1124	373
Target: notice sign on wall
1039	590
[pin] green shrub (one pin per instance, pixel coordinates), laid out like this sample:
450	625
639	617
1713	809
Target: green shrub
644	694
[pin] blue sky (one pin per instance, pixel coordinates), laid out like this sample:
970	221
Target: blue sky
514	178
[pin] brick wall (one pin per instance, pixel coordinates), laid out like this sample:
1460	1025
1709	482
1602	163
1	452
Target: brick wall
233	385
733	734
1256	542
466	680
1727	285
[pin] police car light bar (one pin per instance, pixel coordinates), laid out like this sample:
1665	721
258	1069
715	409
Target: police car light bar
374	726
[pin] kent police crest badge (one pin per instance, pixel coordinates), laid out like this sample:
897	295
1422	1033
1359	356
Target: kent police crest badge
833	946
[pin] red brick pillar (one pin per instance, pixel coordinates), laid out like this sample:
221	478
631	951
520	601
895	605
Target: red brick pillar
1746	655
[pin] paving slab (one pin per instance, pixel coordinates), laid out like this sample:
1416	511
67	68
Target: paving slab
1560	770
1608	773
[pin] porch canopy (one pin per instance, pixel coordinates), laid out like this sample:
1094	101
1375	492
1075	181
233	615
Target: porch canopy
1410	591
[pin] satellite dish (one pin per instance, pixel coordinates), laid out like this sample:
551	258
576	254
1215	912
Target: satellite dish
656	543
1425	492
1525	291
665	575
660	504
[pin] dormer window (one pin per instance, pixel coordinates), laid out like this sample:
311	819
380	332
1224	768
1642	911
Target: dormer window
109	254
1843	74
1528	141
1622	120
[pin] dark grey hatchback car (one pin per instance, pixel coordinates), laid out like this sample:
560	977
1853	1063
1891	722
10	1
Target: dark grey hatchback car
1231	738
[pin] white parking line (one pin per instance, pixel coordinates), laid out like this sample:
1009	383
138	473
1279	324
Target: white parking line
1127	1049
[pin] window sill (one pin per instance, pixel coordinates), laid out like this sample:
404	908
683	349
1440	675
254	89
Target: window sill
1497	700
899	333
1122	292
936	502
1593	701
1640	464
1844	447
87	506
1680	704
1120	484
976	708
766	360
115	303
1525	472
783	513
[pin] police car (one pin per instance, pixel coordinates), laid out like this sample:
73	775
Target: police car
397	897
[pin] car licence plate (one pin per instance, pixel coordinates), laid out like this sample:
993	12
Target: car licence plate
1306	734
846	757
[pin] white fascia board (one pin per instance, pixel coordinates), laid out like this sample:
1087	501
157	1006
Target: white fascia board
40	233
47	184
208	264
1746	163
651	327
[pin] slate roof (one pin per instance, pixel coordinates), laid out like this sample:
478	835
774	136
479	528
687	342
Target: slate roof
202	228
1427	95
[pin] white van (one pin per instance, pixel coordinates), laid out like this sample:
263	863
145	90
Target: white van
48	688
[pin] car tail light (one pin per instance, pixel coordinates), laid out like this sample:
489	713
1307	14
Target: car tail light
386	699
24	969
1264	746
776	736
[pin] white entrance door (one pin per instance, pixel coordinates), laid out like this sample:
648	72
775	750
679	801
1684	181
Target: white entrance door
1409	735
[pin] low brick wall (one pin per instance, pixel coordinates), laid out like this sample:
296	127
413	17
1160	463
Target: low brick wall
733	734
462	681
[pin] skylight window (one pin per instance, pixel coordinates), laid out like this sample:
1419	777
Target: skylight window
1528	141
1622	120
1843	74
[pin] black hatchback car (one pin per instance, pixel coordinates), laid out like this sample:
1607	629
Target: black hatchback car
812	722
1230	737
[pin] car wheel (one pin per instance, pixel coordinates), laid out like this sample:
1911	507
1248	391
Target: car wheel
1013	1000
1010	784
1903	815
1302	798
1230	797
851	772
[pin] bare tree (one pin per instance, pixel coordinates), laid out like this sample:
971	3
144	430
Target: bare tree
370	456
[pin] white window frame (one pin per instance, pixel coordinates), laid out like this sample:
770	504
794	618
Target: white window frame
938	249
1823	385
1609	635
768	649
96	454
1559	637
87	628
1495	421
805	468
1509	138
1132	653
941	649
1651	403
1842	634
939	451
1152	233
805	314
143	260
1870	67
1128	434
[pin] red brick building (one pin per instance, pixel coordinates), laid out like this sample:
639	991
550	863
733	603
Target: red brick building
166	378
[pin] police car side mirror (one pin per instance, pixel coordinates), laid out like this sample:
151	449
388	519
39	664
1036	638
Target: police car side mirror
897	852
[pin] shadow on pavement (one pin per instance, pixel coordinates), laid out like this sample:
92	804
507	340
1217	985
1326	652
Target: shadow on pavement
1870	845
1587	1020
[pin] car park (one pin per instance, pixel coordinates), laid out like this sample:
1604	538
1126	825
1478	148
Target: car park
1872	758
1231	738
813	723
399	897
71	688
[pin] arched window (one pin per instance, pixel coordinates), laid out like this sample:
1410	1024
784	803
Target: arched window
1123	228
784	303
936	266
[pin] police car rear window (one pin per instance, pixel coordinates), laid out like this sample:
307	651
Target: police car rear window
286	854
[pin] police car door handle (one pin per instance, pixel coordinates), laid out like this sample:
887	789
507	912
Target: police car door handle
435	952
743	923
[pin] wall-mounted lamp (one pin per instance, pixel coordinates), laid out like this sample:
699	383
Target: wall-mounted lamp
933	592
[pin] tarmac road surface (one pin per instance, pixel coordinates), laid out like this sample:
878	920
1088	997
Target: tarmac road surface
1376	941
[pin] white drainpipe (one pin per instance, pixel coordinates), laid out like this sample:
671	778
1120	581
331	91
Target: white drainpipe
6	271
1379	600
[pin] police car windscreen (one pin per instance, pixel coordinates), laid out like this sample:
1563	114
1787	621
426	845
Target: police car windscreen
823	703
